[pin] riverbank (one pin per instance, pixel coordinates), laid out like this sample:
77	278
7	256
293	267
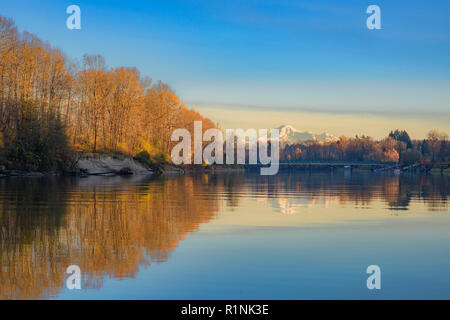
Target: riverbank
89	164
97	164
103	164
109	164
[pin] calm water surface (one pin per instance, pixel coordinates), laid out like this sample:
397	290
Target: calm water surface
226	236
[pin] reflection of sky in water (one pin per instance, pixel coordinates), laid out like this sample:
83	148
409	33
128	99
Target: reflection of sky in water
227	236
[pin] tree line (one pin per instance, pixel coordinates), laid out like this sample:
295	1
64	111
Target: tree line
51	105
396	147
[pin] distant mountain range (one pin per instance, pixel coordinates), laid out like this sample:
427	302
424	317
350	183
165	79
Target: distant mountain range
290	135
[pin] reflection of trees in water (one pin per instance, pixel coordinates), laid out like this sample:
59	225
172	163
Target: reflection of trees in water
359	190
233	188
114	226
435	189
106	230
430	189
31	217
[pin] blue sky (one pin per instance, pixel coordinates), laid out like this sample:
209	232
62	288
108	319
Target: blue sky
278	55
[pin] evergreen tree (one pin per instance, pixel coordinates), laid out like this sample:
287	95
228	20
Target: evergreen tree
401	136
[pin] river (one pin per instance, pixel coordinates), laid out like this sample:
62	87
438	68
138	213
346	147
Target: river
296	235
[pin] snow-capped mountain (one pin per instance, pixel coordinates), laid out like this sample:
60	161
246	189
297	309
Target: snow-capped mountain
290	135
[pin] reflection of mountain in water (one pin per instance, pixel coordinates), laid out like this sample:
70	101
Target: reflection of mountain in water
291	193
292	205
113	226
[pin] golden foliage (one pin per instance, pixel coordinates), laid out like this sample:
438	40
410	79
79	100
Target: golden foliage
103	109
